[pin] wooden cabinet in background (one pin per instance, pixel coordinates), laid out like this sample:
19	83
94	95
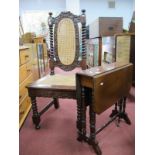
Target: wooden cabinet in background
33	51
101	42
105	26
39	39
25	77
33	63
39	59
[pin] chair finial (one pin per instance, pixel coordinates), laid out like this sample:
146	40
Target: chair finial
50	19
50	13
83	11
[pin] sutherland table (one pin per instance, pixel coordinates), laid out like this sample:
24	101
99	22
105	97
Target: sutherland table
99	88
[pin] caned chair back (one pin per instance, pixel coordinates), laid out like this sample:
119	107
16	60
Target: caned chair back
65	40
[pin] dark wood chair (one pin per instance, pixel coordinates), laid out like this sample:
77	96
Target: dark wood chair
64	54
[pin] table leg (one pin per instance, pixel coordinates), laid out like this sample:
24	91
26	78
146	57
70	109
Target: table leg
92	139
124	115
120	105
79	111
115	111
83	113
36	116
56	103
79	119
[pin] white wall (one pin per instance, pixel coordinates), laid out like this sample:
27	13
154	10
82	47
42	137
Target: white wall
73	6
55	6
94	8
99	8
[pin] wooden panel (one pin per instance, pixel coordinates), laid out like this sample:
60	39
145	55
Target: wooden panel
35	70
87	81
45	49
110	87
24	56
123	49
25	77
27	37
23	110
29	68
45	55
39	39
19	60
22	73
22	90
33	51
108	26
105	26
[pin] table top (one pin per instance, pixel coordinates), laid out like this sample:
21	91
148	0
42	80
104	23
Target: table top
94	71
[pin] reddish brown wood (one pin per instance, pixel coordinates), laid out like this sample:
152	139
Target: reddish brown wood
105	26
100	52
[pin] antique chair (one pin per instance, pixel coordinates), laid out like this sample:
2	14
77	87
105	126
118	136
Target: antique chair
64	54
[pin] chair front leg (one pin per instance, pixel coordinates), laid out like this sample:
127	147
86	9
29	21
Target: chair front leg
35	116
56	103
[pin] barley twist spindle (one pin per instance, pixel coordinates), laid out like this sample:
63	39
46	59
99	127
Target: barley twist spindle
83	34
50	23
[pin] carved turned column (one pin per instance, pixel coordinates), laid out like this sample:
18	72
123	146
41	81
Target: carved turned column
92	123
36	116
51	59
83	22
83	113
79	111
92	120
